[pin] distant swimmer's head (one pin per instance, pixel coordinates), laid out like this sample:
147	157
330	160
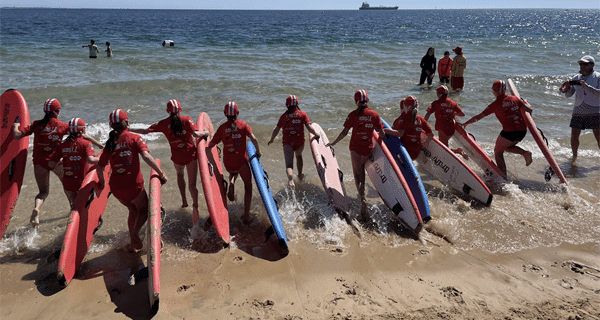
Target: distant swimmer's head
457	50
173	106
52	106
291	101
118	117
499	87
92	41
442	90
361	97
76	125
231	109
107	44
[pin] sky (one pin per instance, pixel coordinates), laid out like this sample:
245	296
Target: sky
300	5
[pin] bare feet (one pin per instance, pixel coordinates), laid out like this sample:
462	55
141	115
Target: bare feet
246	219
462	153
184	205
35	218
291	184
207	224
528	158
134	249
301	177
231	193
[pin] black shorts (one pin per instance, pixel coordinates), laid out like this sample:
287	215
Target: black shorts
513	135
585	122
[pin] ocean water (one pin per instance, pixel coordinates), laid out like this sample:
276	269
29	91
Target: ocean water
258	58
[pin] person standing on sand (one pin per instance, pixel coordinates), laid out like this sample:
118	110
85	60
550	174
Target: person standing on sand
123	150
428	66
507	109
459	64
586	112
47	135
108	50
445	111
362	121
180	131
293	122
93	49
77	152
444	67
233	134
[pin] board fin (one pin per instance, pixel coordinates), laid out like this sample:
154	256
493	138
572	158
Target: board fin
549	173
100	221
466	189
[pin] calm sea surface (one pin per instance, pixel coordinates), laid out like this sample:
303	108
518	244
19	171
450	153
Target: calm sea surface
257	58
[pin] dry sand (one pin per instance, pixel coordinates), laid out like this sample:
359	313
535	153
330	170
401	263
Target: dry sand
433	280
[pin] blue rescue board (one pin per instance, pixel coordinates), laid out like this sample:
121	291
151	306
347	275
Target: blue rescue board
409	171
262	183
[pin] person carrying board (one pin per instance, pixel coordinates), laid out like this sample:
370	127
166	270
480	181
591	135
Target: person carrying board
292	123
507	109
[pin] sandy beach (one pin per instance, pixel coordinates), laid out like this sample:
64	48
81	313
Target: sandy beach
368	279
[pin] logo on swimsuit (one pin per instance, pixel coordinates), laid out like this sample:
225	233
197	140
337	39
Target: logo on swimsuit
293	133
380	172
121	170
363	118
181	145
69	173
47	149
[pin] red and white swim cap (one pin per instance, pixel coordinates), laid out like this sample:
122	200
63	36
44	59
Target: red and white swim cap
442	89
117	116
231	109
51	105
361	95
76	125
499	86
411	101
173	106
291	101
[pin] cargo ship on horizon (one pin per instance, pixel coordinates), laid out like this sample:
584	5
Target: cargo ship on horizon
366	6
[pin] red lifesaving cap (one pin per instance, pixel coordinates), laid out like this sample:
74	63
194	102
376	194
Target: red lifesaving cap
361	95
411	101
499	86
231	109
51	105
173	106
76	125
291	101
457	50
442	89
117	116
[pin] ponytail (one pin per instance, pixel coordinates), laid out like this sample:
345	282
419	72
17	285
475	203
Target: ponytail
114	135
290	109
43	122
233	119
72	136
176	124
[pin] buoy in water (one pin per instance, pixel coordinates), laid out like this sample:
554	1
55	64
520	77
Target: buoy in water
168	43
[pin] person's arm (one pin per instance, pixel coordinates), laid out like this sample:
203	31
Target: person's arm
201	134
427	115
526	106
312	130
589	89
93	141
255	142
17	134
150	161
273	135
101	182
474	119
341	136
140	130
396	133
92	159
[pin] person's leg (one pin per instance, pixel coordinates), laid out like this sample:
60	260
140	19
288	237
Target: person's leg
138	214
575	141
502	145
42	178
71	195
444	138
288	153
192	172
231	191
299	161
422	79
246	175
597	136
181	184
358	169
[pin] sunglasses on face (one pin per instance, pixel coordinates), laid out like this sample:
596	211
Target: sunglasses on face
585	63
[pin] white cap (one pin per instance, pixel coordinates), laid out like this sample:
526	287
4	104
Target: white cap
587	59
